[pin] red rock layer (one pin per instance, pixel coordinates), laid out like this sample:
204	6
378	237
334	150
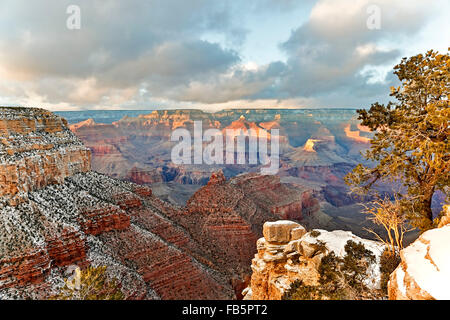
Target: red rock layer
29	268
171	273
231	238
290	211
127	201
167	257
32	266
142	177
143	191
36	150
67	248
104	220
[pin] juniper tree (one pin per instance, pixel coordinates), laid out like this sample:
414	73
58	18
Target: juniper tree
410	143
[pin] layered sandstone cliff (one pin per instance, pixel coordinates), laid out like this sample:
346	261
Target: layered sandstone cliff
36	149
424	270
226	216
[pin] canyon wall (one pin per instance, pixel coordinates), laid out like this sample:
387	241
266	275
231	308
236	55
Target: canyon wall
139	148
36	149
227	215
317	149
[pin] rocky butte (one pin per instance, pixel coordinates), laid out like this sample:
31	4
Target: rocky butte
139	148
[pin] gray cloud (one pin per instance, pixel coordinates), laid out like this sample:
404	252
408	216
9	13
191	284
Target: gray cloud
328	53
120	46
238	84
112	32
130	53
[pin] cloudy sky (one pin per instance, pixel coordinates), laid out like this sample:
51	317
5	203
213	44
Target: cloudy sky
211	54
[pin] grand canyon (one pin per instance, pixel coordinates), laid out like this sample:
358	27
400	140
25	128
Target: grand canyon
211	154
67	203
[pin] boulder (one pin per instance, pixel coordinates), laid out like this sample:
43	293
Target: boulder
261	244
279	231
297	233
424	271
307	249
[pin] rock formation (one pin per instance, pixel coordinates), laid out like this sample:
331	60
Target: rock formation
287	253
424	270
36	150
226	216
315	154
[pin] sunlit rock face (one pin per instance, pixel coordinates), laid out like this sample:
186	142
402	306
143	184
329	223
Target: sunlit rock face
356	135
309	145
315	151
36	149
424	271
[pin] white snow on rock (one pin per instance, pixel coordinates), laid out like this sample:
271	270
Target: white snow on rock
400	281
427	261
335	241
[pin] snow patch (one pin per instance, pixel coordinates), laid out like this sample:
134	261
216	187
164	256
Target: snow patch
335	241
428	262
400	280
